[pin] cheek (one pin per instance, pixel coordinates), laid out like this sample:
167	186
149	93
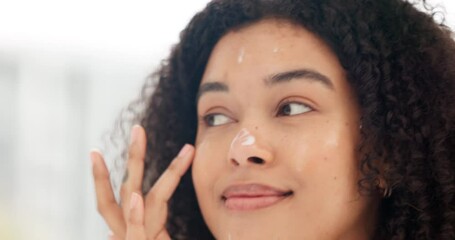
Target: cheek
207	164
333	166
322	155
324	164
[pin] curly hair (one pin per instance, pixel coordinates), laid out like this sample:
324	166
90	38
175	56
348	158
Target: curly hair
400	63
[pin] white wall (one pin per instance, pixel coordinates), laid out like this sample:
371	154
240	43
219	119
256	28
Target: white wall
66	70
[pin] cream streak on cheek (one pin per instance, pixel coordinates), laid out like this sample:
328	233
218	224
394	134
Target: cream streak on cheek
241	55
332	141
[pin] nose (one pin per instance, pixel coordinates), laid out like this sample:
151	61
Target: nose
248	149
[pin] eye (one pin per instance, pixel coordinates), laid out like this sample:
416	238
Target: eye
216	119
293	108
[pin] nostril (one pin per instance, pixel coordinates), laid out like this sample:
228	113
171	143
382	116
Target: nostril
234	162
256	160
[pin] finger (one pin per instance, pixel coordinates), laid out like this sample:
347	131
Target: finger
106	204
132	181
113	237
135	226
163	235
162	190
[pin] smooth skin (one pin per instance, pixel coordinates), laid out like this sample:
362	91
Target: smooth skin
138	220
306	135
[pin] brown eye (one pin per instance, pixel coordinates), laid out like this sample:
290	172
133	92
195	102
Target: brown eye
293	108
216	119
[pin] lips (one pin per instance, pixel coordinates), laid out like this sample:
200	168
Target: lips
252	196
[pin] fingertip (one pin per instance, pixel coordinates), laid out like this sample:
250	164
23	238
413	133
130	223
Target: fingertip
93	158
96	150
95	153
137	134
142	135
140	132
137	126
190	155
113	237
186	150
98	164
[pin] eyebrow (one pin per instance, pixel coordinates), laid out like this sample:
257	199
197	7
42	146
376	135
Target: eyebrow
304	74
278	78
211	87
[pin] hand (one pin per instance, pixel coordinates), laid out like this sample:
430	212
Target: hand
133	220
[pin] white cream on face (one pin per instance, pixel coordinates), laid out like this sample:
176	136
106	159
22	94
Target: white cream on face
332	141
241	55
244	138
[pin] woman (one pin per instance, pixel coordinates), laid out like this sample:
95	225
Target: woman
310	119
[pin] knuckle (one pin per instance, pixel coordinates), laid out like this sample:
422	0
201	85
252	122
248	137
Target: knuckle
123	194
123	190
152	198
174	172
132	221
173	167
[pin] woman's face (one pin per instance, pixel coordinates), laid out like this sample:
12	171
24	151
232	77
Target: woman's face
276	143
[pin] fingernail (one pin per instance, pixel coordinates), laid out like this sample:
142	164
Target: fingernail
184	151
96	150
134	133
134	200
111	235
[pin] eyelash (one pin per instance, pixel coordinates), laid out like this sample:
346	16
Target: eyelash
280	109
279	112
206	119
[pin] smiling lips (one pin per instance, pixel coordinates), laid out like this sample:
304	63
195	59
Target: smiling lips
252	197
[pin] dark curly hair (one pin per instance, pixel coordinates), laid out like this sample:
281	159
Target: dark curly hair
400	63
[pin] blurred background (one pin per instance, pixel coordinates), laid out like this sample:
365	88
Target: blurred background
67	68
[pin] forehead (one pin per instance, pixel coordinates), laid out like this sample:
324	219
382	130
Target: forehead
267	47
269	30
